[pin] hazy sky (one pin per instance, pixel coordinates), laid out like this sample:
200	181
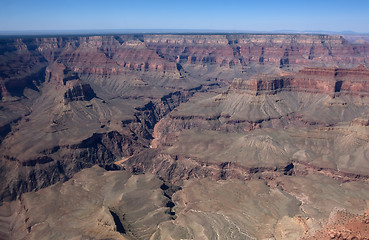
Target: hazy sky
256	15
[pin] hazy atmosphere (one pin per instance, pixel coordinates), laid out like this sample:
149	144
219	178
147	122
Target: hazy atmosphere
171	120
270	15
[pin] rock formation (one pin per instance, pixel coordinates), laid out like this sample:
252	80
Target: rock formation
196	133
101	204
80	92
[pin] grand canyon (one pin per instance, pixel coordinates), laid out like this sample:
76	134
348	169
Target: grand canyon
184	136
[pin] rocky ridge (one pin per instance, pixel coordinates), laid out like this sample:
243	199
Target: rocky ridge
256	110
332	81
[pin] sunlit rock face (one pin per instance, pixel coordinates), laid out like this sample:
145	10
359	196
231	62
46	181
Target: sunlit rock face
243	136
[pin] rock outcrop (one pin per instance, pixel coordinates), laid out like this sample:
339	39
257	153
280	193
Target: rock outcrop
94	204
344	225
280	50
262	84
331	81
80	92
277	113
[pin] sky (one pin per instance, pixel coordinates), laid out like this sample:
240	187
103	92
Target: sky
232	15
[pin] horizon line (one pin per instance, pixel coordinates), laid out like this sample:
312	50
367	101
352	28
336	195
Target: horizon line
166	31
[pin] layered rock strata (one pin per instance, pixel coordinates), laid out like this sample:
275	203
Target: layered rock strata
278	114
94	204
332	81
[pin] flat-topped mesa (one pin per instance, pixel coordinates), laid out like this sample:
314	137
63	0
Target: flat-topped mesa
262	84
350	74
334	81
193	49
160	54
286	50
80	92
103	55
134	55
283	50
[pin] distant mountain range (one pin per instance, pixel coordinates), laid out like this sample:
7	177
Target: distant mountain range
163	31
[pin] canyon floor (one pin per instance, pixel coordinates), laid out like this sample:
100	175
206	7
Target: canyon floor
243	136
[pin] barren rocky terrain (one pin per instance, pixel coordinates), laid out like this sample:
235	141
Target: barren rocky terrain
243	136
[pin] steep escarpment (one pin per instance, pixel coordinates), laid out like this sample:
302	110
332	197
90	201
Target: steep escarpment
337	152
80	105
262	84
172	55
60	163
197	49
80	92
245	49
273	115
110	55
312	96
332	81
48	163
255	210
100	204
265	127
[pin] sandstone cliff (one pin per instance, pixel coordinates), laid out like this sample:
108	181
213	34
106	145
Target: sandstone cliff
274	115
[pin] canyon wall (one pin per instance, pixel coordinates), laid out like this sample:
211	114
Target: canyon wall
176	120
95	99
332	81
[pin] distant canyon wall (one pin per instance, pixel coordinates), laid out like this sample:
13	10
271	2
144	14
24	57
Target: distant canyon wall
95	99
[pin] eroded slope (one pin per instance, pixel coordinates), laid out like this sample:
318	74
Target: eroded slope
95	204
267	135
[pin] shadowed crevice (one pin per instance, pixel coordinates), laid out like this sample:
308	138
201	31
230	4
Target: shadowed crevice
118	222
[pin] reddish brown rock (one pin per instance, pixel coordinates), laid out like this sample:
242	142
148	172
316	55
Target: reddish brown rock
48	131
262	84
332	81
354	81
344	225
277	50
80	92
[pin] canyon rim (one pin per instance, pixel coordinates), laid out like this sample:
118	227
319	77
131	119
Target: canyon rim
184	136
